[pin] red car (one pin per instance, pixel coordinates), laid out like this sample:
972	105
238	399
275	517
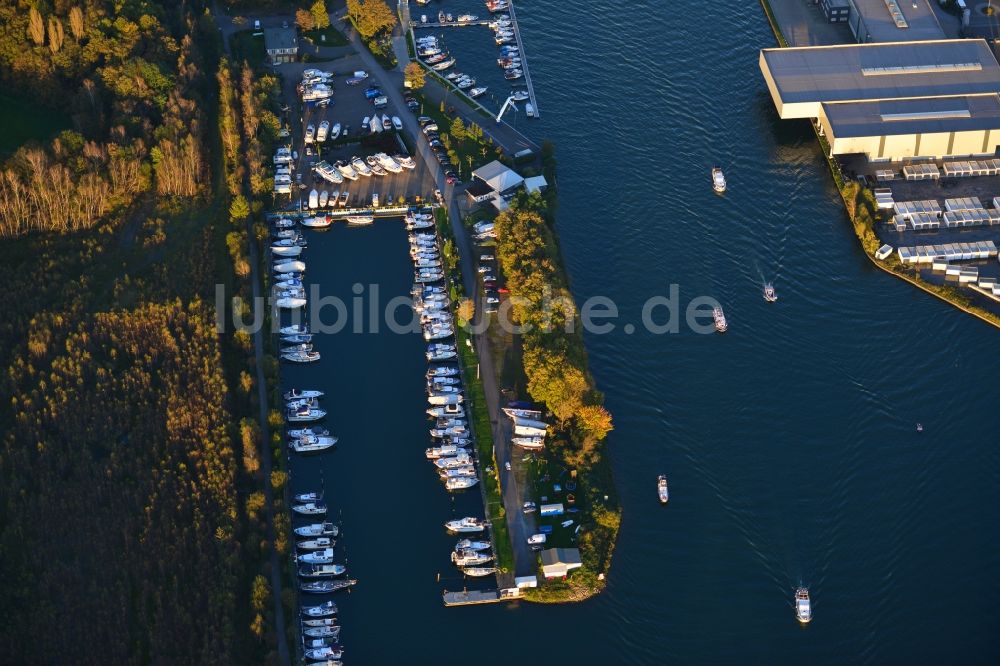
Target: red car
504	290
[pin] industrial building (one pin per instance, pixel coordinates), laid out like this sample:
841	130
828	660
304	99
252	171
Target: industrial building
892	101
892	21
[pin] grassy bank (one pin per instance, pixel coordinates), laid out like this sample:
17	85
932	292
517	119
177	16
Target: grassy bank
861	210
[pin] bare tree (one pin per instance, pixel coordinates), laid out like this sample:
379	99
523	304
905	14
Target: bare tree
76	23
56	34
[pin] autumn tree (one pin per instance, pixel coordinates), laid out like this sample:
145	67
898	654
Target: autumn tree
457	129
414	76
36	27
304	19
321	17
594	421
466	311
239	209
371	17
56	34
76	23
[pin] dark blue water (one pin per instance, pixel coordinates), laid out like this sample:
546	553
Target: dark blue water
790	442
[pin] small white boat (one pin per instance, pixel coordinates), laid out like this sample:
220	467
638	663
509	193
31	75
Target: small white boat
322	632
312	444
321	622
300	356
315	544
310	509
769	294
290	267
479	572
326	586
325	609
721	325
529	110
321	570
536	539
467	524
291	303
529	443
321	653
323	132
460	482
308	497
478	92
305	415
803	607
308	432
661	489
317	529
517	412
324	556
718	180
324	198
296	394
298	329
360	220
453	461
360	166
469	544
319	221
519	95
310	135
470	557
281	249
334	131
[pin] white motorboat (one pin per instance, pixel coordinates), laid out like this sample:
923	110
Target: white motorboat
457	472
529	110
769	294
290	267
312	444
360	220
296	394
467	524
347	170
469	544
539	427
299	329
517	412
301	357
519	95
281	249
308	497
437	452
292	285
404	160
316	92
317	529
308	432
452	461
328	172
334	131
397	123
291	303
324	198
284	223
310	135
718	180
305	415
387	162
326	586
441	355
470	557
324	570
443	381
315	544
360	166
466	18
478	92
320	622
721	325
536	539
443	65
325	609
442	371
323	132
803	607
479	572
529	443
322	653
310	509
324	556
460	482
661	489
319	221
322	632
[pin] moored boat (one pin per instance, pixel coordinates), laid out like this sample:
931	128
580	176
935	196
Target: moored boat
326	586
310	509
479	572
324	609
317	529
315	544
467	524
326	570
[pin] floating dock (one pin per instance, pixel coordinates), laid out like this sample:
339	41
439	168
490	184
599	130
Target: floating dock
473	597
524	59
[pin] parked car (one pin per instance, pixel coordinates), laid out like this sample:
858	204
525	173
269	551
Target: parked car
424	120
486	257
430	127
438	196
503	290
372	92
451	180
483	268
381	102
412	105
528	507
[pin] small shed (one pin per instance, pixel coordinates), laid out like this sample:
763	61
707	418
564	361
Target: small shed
526	581
535	184
558	562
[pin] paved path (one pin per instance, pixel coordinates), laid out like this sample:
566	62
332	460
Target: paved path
265	443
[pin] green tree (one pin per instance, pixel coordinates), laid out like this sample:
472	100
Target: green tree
321	17
414	76
239	209
458	129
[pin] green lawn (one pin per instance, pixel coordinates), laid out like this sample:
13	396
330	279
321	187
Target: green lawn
328	36
245	46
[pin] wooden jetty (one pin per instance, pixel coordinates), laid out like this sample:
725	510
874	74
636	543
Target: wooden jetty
524	59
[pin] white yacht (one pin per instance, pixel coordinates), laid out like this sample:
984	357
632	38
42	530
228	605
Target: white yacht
661	489
467	524
803	608
437	452
718	180
305	415
529	443
458	472
309	432
311	444
453	461
360	220
325	609
347	170
315	544
310	509
323	132
478	92
479	572
321	622
721	325
319	221
301	357
446	410
360	166
769	294
291	303
317	529
308	497
334	131
324	198
322	632
469	544
321	570
289	267
310	134
470	557
460	482
324	556
296	394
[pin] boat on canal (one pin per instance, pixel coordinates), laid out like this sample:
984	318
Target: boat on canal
803	607
464	525
323	556
360	220
721	325
718	180
322	632
325	609
296	394
460	482
470	558
326	586
479	572
308	497
310	509
312	444
317	530
661	489
769	294
469	544
321	622
315	544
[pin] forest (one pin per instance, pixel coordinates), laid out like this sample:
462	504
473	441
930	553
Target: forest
129	518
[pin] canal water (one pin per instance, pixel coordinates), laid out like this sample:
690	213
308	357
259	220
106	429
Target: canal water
790	442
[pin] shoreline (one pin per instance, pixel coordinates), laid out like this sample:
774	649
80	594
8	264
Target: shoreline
973	310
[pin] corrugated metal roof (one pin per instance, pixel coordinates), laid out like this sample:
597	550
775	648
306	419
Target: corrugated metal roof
889	117
908	69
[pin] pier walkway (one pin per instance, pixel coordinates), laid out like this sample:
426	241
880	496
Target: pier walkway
524	59
472	597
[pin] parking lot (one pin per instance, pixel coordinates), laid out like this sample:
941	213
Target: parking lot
348	107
